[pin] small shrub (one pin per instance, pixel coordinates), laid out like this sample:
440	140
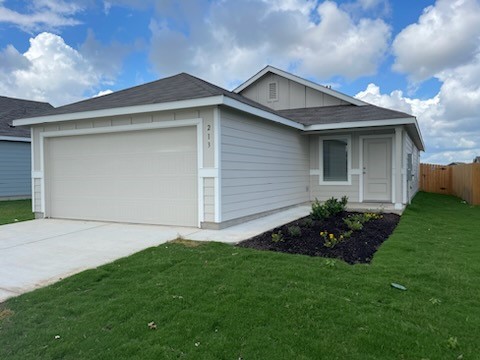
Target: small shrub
330	240
307	222
277	237
347	234
294	231
353	224
331	207
372	216
319	211
334	206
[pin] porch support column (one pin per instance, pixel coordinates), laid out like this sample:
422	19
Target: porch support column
397	200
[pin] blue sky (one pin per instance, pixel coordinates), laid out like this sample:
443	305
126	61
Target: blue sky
419	56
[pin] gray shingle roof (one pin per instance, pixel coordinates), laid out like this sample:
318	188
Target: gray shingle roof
341	113
174	88
187	87
11	109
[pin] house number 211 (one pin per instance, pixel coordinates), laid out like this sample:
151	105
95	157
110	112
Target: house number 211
209	132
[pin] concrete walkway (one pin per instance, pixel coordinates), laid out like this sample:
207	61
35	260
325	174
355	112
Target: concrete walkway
36	253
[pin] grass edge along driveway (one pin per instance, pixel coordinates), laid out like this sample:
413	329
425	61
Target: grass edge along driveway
12	211
215	301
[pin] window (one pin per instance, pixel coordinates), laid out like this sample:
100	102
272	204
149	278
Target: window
335	161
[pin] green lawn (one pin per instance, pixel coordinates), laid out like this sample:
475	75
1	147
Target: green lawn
15	210
215	301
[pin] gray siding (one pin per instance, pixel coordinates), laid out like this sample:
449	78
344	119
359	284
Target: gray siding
413	183
324	192
291	95
15	178
264	165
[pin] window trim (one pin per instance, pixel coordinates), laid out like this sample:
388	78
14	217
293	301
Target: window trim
348	138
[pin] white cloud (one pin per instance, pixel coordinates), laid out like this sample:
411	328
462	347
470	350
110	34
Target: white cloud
42	14
49	70
447	138
103	92
446	35
224	48
106	59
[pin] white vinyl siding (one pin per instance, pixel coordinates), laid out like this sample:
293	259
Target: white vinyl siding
264	165
209	199
324	192
37	190
290	94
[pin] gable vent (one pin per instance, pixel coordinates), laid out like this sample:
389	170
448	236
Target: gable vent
272	91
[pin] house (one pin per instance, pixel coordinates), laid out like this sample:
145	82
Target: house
182	151
15	164
476	160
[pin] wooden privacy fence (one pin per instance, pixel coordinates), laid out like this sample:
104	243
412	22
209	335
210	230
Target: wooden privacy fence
460	180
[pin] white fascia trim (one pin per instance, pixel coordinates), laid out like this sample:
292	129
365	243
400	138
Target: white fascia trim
261	113
419	135
299	80
12	138
138	109
361	124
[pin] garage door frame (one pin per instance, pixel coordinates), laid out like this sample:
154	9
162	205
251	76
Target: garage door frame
128	128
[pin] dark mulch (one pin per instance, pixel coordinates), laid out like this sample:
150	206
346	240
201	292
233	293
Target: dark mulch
359	248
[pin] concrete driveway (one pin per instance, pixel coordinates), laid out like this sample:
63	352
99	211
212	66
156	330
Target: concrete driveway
40	252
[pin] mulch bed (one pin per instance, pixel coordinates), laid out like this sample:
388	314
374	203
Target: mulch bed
358	248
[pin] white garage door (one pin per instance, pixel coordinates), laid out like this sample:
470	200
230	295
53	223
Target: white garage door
138	176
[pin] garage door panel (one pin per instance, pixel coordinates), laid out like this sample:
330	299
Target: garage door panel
164	188
142	176
141	163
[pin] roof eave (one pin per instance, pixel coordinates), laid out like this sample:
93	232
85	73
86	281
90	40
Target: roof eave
15	138
137	109
174	105
409	121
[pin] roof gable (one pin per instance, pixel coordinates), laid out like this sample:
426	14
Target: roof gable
299	80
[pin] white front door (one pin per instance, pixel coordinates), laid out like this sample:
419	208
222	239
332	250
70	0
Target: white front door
377	169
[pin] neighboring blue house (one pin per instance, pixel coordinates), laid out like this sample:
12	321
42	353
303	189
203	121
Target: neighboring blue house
15	153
